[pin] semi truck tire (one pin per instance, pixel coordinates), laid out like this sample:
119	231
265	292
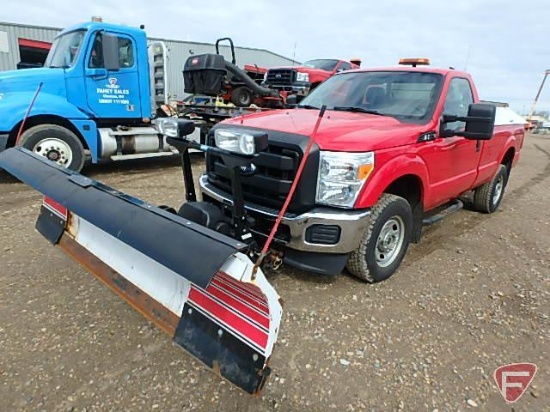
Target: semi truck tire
55	143
487	197
242	96
385	241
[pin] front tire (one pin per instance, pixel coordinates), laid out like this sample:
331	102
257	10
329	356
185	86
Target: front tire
385	241
487	197
56	144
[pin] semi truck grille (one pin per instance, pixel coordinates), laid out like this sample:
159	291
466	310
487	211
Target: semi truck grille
281	77
275	171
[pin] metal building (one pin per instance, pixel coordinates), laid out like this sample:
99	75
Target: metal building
23	46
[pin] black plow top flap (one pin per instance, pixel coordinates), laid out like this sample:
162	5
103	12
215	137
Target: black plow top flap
188	249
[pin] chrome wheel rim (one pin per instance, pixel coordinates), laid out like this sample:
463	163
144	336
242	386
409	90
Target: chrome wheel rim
390	241
55	150
499	187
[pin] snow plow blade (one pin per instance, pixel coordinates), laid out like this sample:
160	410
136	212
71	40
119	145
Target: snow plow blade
190	281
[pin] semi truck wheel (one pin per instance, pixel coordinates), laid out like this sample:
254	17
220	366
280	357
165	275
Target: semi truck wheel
487	197
242	97
55	143
384	242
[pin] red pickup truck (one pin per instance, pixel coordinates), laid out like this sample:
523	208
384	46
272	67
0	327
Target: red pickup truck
300	80
396	149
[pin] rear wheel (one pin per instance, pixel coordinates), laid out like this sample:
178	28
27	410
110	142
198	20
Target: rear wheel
242	96
385	241
56	144
487	197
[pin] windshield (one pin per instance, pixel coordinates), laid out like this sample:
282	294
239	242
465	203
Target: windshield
65	49
404	95
323	64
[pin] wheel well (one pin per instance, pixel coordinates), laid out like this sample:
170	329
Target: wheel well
508	159
45	119
409	187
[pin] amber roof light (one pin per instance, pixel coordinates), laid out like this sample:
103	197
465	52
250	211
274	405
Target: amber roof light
415	62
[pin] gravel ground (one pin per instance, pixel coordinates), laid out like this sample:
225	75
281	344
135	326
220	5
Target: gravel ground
473	295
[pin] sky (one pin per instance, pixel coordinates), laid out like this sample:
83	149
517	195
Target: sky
504	44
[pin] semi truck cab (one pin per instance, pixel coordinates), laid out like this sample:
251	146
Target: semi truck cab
97	94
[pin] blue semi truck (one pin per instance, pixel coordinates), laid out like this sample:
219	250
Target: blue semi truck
99	93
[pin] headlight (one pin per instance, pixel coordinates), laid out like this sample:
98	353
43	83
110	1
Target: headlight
302	77
167	127
173	127
341	177
242	142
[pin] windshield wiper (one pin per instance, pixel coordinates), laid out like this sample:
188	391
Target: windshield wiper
307	106
357	110
58	67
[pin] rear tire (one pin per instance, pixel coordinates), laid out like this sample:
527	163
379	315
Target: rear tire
487	197
242	97
56	144
385	241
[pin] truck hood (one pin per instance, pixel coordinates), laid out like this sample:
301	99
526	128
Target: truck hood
28	79
339	131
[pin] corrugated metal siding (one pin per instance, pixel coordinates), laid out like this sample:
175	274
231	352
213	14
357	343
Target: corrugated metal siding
179	51
8	61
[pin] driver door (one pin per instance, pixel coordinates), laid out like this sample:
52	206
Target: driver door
452	161
113	94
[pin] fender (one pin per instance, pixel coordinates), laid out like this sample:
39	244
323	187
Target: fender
389	172
47	104
16	104
488	170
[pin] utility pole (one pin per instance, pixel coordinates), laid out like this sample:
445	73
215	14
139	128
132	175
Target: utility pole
546	73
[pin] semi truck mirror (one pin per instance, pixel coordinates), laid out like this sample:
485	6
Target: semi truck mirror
111	52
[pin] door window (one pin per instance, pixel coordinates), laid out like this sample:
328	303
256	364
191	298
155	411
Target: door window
459	97
125	52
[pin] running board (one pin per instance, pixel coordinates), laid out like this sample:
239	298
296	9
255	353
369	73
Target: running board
453	207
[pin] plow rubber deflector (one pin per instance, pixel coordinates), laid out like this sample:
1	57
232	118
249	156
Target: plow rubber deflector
192	282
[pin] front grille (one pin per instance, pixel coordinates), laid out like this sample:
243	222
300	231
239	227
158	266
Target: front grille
284	77
276	169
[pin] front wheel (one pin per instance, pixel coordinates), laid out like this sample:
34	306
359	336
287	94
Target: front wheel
56	144
384	242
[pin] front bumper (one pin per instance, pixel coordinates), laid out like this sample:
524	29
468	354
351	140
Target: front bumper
300	89
352	223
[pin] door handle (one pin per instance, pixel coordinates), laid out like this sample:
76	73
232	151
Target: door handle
97	73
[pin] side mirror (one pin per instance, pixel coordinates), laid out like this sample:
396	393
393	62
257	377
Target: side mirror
111	52
480	122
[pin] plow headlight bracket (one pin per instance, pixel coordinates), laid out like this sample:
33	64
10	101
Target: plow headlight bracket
342	176
241	142
172	127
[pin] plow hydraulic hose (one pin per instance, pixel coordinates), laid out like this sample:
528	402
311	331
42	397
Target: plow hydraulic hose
291	192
